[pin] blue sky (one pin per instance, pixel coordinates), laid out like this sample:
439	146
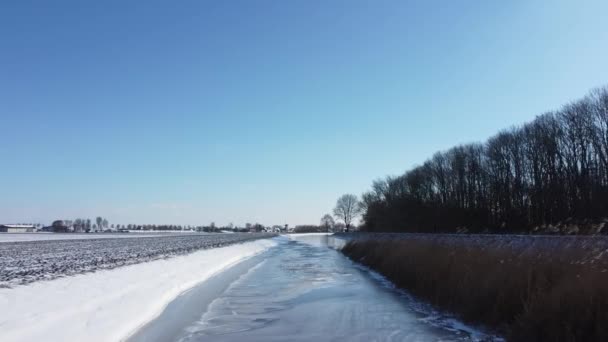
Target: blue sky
265	111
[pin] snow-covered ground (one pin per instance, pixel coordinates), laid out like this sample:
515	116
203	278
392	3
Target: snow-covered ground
18	237
110	305
41	236
29	261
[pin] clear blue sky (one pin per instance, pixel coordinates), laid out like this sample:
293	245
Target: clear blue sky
188	112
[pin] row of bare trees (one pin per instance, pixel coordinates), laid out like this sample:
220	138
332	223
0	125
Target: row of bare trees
549	171
85	225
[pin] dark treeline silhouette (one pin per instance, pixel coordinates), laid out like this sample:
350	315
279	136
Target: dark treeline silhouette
548	173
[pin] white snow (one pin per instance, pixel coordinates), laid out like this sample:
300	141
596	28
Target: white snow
110	305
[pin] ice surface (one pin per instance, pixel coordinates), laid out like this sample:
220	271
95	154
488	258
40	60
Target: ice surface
304	291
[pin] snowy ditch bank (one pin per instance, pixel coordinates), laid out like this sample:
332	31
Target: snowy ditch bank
110	305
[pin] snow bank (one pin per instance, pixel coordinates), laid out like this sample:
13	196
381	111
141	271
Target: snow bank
110	305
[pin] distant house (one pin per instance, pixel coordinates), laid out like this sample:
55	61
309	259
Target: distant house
16	228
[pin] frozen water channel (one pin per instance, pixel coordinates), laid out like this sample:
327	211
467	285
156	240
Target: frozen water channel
301	290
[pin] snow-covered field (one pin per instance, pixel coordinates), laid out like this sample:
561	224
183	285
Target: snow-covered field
110	305
29	261
17	237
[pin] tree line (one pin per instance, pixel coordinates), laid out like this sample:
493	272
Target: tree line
551	172
101	224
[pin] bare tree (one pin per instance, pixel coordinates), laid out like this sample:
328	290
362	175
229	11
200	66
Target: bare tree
68	223
79	225
99	221
347	208
327	222
526	178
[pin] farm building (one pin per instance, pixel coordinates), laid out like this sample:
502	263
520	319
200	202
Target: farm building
16	228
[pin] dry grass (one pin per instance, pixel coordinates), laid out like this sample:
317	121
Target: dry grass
526	294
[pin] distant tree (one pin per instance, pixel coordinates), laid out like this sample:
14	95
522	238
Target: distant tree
339	226
327	222
59	226
99	221
347	209
104	223
88	225
79	225
308	229
548	175
258	227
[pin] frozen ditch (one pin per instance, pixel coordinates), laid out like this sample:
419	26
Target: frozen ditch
300	290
